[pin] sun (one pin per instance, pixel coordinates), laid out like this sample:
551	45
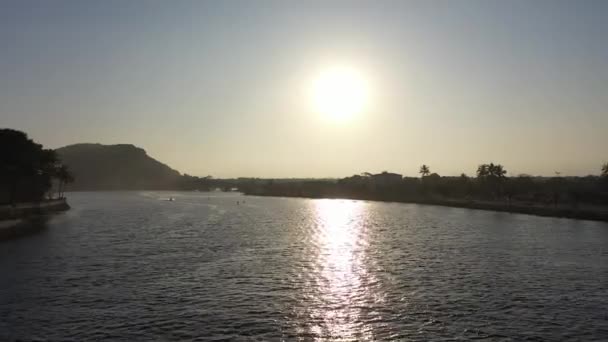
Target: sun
340	93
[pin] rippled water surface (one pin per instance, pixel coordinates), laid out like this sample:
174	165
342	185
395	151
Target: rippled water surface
135	267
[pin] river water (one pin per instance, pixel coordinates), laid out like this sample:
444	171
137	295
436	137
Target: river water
135	267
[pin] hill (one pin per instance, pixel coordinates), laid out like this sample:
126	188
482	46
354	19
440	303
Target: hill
116	167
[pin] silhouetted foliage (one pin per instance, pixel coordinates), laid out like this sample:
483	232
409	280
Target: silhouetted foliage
424	170
126	167
491	178
26	168
64	176
490	186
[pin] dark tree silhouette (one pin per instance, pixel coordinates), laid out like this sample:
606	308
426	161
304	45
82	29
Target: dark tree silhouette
492	171
64	176
424	170
482	171
26	168
605	170
491	178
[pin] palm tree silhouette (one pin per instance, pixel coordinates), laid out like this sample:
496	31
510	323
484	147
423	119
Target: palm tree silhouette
424	170
64	176
497	171
482	171
491	171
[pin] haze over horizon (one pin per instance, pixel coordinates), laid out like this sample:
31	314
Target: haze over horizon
224	88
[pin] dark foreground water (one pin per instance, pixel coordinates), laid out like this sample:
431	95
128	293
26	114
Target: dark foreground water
133	267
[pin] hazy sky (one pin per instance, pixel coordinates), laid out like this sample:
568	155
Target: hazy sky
221	87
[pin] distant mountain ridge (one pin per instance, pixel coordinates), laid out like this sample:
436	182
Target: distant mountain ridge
116	167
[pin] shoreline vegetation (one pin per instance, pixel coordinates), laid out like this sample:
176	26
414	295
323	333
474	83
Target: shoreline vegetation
32	184
31	173
490	189
592	213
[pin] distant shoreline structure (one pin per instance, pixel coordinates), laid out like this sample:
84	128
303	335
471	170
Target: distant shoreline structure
536	210
490	189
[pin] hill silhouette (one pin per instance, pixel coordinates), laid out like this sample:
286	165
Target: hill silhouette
116	167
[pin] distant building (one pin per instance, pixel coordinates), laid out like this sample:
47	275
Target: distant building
387	179
355	180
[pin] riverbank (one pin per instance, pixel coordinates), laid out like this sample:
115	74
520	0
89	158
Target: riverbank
581	213
28	209
25	218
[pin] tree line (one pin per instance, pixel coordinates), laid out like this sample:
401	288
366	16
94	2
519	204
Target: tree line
28	172
490	184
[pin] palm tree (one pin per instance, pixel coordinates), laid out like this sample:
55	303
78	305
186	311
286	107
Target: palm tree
64	176
491	177
482	171
424	170
492	171
497	171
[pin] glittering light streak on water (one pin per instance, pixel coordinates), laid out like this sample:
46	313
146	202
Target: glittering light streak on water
341	237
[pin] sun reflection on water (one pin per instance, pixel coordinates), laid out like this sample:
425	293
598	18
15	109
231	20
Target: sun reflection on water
341	238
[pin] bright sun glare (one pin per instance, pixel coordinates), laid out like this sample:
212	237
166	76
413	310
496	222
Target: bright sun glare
340	93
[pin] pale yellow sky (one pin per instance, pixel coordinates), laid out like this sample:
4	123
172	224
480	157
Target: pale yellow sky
224	89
